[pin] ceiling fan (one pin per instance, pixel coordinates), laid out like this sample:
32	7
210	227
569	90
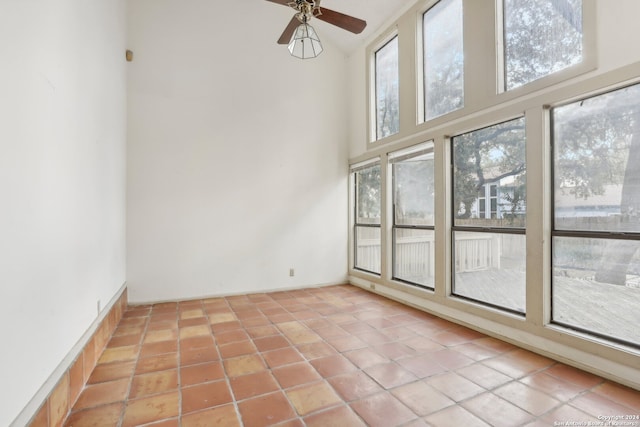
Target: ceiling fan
301	37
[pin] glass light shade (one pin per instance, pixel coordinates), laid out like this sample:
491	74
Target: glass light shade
305	42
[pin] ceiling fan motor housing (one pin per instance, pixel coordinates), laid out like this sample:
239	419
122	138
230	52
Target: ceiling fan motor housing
306	9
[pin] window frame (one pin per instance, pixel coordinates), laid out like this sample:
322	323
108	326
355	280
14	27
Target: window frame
372	84
579	234
354	169
421	61
588	63
415	151
522	231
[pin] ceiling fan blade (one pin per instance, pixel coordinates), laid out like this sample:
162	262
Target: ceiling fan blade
282	2
341	20
285	38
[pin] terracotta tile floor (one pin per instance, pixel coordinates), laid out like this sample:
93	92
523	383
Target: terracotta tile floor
335	356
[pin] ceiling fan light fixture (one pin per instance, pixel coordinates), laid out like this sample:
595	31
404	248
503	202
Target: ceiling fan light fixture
305	42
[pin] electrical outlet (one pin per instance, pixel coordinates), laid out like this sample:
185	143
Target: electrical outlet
372	286
98	305
292	272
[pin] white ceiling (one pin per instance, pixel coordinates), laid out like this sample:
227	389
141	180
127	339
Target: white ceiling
375	12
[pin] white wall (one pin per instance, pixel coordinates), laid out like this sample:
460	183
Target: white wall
237	153
62	166
358	113
617	33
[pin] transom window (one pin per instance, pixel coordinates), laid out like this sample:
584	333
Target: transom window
541	37
387	89
443	58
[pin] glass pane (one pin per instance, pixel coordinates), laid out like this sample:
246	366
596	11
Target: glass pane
387	90
490	162
596	286
368	249
490	268
597	163
368	195
414	256
540	37
413	191
443	58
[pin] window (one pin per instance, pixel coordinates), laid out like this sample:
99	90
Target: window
541	37
413	215
443	58
596	214
367	217
387	90
488	192
489	209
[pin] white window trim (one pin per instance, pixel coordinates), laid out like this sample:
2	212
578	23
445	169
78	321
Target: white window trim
420	149
353	169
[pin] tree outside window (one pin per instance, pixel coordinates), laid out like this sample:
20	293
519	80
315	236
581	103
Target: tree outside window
489	215
443	58
541	37
596	244
387	90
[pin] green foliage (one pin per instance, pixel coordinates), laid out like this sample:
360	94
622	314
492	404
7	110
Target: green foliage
487	155
592	141
443	58
541	37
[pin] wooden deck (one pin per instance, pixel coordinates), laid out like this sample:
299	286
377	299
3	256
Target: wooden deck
504	288
599	307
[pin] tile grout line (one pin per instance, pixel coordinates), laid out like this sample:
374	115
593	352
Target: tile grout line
179	363
281	389
294	346
323	379
300	417
135	366
222	365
